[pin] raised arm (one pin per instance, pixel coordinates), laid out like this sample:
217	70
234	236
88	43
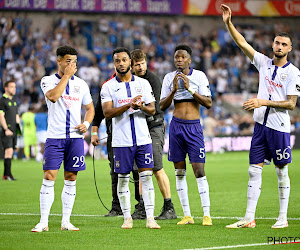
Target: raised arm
54	94
236	36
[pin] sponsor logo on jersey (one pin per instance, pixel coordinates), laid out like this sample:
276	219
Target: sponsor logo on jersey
278	85
283	77
298	87
270	90
127	100
70	98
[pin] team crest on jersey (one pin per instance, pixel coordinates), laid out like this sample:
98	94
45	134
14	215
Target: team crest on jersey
283	77
76	89
138	90
117	164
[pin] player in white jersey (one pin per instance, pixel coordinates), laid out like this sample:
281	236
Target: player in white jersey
65	94
125	98
277	93
189	88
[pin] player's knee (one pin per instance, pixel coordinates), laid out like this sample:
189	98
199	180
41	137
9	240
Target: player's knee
282	172
180	173
123	180
254	171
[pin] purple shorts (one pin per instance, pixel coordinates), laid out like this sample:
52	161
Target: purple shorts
68	150
186	137
125	156
270	144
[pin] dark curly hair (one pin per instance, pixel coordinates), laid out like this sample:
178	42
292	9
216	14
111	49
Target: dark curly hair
66	50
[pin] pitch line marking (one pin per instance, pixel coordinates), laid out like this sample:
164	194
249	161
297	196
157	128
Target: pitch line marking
233	246
101	215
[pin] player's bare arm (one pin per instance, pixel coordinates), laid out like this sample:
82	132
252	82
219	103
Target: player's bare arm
56	92
236	36
149	108
253	103
109	111
89	116
166	102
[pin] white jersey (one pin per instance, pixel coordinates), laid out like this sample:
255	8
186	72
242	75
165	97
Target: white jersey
65	114
197	80
129	128
275	83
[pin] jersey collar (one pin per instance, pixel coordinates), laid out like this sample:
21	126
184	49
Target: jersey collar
190	73
284	66
119	80
57	75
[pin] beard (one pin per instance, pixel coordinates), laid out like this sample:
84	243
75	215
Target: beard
123	72
279	55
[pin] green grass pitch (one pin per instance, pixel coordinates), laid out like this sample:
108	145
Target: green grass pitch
227	175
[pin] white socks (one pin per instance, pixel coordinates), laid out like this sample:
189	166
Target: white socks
46	199
124	194
204	194
283	190
254	189
148	192
68	197
182	190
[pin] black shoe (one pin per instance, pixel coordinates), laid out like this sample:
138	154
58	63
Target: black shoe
139	212
12	178
114	212
167	212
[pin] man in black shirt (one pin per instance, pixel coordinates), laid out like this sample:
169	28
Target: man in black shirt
156	128
9	120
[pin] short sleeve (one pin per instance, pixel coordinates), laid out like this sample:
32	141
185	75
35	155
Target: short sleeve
293	86
259	60
165	89
87	98
203	88
2	107
105	94
149	96
46	85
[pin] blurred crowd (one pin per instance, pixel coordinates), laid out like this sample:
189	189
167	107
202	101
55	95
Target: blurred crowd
27	54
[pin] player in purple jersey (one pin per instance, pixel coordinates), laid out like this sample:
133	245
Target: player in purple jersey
65	95
126	99
189	88
277	94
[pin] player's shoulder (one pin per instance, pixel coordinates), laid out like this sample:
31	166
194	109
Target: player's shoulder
170	75
77	79
197	72
140	79
46	79
294	69
108	83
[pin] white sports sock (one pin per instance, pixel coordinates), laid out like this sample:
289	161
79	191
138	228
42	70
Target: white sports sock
283	190
204	194
46	199
68	197
124	194
254	189
148	192
182	190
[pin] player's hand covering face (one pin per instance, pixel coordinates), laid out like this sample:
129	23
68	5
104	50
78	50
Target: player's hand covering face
68	64
122	62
